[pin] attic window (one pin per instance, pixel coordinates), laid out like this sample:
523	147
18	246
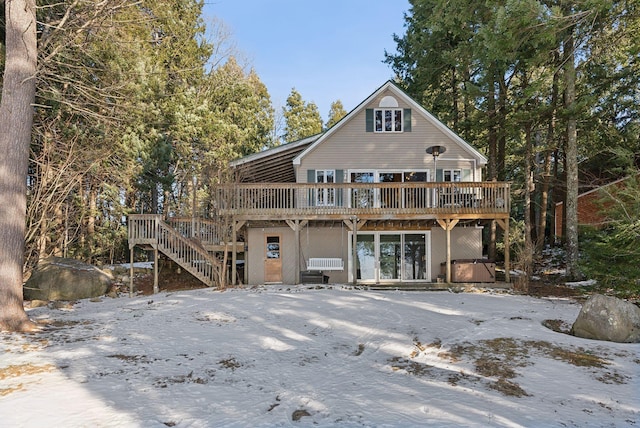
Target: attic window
388	120
388	101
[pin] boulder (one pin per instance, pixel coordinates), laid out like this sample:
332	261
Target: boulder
57	278
608	318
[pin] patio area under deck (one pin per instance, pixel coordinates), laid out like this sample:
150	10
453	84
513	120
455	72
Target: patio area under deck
356	204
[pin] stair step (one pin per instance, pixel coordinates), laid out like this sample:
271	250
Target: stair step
201	267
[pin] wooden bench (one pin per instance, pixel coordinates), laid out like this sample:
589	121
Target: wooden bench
325	263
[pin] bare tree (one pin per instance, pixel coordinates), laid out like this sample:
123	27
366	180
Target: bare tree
16	119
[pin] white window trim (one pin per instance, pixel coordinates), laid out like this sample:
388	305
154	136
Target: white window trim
376	279
323	195
376	179
393	130
451	171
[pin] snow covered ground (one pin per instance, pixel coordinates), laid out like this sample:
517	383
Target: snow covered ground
301	356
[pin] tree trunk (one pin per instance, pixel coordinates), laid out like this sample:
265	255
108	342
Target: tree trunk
546	174
492	168
541	233
16	118
571	155
526	258
502	131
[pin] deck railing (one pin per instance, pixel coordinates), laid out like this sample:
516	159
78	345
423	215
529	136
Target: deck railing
208	232
149	229
402	199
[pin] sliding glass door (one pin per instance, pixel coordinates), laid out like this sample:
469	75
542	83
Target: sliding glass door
392	256
366	253
363	198
414	257
389	197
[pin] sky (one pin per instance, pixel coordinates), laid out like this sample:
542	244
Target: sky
327	50
332	357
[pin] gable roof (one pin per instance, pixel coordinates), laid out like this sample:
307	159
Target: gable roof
277	165
391	86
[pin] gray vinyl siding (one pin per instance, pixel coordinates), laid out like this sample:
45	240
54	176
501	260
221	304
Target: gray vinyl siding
329	241
466	243
350	147
256	254
314	242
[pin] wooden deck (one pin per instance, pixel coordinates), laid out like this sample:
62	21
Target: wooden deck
356	204
370	201
191	242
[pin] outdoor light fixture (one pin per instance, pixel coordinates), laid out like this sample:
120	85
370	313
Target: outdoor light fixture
435	151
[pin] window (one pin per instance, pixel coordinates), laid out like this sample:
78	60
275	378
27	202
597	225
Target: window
362	197
325	196
392	197
391	256
388	120
452	175
273	247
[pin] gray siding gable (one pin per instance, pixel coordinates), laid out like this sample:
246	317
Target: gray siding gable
405	102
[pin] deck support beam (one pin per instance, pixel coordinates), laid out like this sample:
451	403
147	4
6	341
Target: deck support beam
448	224
296	226
131	247
156	287
354	224
236	225
234	254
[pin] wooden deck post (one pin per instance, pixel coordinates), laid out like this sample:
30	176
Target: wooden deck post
296	226
447	225
131	247
156	288
354	253
296	231
352	223
507	253
234	254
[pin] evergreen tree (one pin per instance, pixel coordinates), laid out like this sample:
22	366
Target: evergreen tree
302	118
336	113
527	81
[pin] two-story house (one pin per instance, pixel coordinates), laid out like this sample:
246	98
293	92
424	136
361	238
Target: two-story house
387	195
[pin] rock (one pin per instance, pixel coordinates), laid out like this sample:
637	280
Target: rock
299	414
38	303
56	278
608	318
64	305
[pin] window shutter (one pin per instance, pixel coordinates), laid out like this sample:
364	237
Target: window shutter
311	178
369	120
466	175
407	120
339	179
439	175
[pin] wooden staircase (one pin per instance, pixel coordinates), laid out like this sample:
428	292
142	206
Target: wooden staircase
151	231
